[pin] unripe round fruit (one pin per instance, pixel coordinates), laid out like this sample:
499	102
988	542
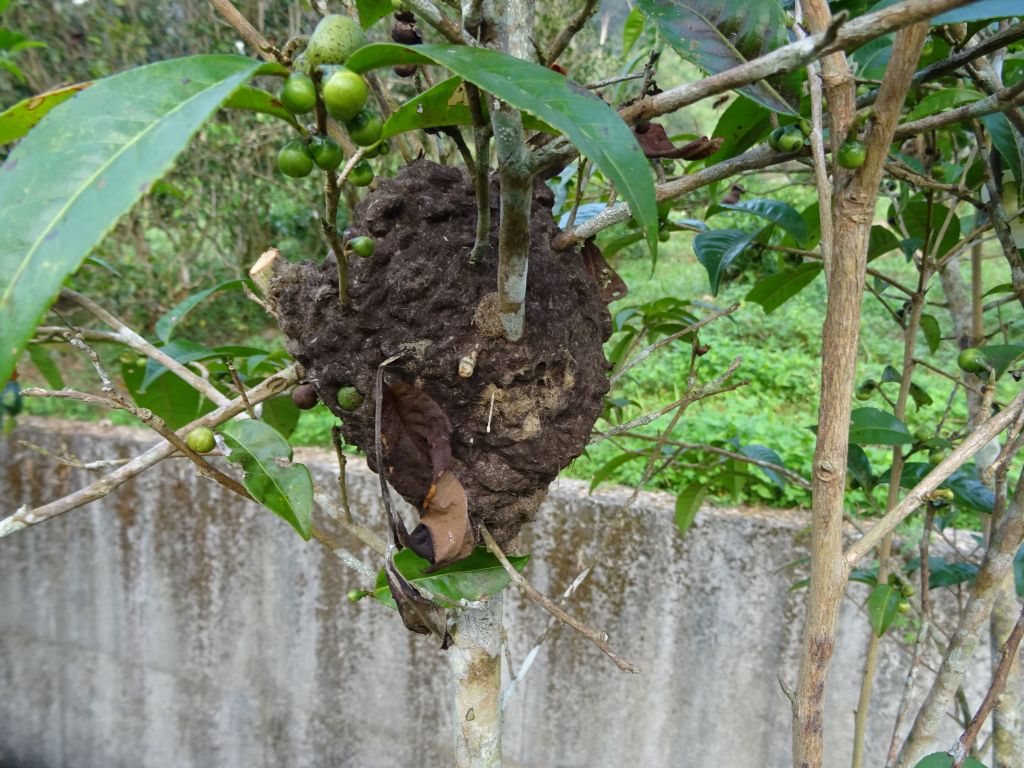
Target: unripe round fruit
972	360
335	38
937	456
304	396
773	138
344	94
326	152
863	394
294	159
362	246
851	154
664	235
201	440
791	140
349	398
298	93
929	47
361	174
908	590
903	607
356	595
365	128
922	435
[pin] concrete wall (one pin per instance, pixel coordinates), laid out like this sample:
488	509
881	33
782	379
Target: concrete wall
168	625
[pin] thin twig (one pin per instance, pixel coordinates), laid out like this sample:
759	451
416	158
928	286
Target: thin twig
600	639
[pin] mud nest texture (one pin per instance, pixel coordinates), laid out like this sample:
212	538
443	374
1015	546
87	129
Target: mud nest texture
418	296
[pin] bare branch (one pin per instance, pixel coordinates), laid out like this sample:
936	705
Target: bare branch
249	33
569	31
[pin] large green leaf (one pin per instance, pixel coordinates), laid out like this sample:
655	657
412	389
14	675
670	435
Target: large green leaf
883	605
170	398
632	29
932	332
471	578
743	124
859	466
687	505
923	220
980	10
945	760
270	477
1002	356
594	127
69	181
775	211
775	290
1009	143
23	116
371	11
967	490
716	250
253	99
871	426
764	453
939	101
717	35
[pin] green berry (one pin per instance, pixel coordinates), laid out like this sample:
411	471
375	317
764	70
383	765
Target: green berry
344	94
356	595
201	440
326	153
335	38
903	607
362	246
908	590
851	154
972	360
664	235
361	174
349	398
298	94
365	128
791	140
922	435
937	456
773	138
294	159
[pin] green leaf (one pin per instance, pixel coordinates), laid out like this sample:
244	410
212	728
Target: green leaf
859	465
165	325
883	606
594	127
920	396
42	360
687	505
1002	356
967	490
69	181
775	290
1018	571
716	250
473	578
183	351
871	426
945	760
764	453
981	10
23	116
940	101
774	211
282	414
284	488
922	219
370	11
932	333
1009	143
433	108
742	125
880	242
170	398
717	35
253	99
632	29
610	466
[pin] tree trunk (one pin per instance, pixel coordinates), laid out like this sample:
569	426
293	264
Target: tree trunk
475	662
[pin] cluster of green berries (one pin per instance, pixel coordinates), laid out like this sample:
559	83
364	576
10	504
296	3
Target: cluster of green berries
343	94
790	138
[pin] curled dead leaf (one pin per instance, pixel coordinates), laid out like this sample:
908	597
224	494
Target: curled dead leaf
419	615
417	439
656	143
609	284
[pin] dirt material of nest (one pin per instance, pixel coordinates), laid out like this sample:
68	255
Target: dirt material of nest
528	407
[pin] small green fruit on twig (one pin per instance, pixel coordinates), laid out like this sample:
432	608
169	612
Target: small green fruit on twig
298	93
972	360
344	94
201	440
294	159
356	595
791	140
335	38
365	128
851	154
326	152
866	389
362	246
349	398
361	174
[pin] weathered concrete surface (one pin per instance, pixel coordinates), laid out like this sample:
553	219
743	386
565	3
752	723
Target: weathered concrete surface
170	626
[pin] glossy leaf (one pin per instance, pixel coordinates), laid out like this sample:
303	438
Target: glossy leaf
170	398
940	101
632	29
743	124
253	99
717	35
446	103
165	325
945	760
764	453
471	578
968	491
43	361
606	469
1002	356
775	290
775	211
932	332
923	220
859	466
871	426
23	116
270	477
716	250
1009	143
687	505
371	11
590	124
883	606
69	181
282	414
880	242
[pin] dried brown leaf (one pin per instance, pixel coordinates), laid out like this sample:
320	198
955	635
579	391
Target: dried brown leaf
656	143
445	533
610	285
419	614
417	439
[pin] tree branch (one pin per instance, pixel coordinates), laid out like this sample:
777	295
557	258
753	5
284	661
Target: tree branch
569	31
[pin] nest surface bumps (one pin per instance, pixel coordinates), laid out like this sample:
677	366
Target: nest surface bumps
417	295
